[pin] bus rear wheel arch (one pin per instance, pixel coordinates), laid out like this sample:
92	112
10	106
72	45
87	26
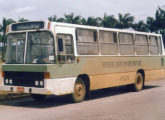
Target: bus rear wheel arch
138	82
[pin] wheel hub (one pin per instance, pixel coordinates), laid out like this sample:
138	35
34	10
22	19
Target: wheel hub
79	89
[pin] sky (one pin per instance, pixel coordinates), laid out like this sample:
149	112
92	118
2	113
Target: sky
42	9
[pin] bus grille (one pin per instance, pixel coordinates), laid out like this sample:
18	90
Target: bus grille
26	79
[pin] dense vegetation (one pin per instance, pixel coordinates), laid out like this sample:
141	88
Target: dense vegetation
152	24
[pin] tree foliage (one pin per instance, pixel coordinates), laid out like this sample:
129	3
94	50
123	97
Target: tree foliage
108	21
22	19
3	26
125	21
140	26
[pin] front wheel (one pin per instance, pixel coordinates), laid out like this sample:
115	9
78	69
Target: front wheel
79	91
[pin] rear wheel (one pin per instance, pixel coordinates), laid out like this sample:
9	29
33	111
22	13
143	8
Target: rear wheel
79	91
139	82
38	97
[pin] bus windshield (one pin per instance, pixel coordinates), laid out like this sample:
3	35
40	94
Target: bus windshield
15	48
39	50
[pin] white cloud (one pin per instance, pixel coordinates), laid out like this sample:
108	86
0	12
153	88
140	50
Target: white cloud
32	9
24	10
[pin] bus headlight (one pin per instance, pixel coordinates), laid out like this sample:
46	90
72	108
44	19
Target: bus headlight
36	83
41	83
10	81
6	81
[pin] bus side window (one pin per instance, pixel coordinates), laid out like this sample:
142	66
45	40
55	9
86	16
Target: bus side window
108	43
160	45
65	48
60	45
87	42
153	45
141	44
126	44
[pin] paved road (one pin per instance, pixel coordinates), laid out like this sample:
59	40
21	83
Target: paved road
107	104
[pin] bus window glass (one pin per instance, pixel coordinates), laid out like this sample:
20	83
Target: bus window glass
85	35
141	44
126	44
108	43
65	48
60	45
40	48
160	45
87	42
153	40
15	48
107	37
153	45
141	40
125	38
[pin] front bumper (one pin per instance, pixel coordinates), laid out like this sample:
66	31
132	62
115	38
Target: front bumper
32	90
59	86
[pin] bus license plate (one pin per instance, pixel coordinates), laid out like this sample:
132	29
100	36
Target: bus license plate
20	89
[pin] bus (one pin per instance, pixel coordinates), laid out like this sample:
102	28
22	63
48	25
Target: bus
50	58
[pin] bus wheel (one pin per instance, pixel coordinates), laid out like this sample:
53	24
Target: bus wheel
79	91
38	97
139	82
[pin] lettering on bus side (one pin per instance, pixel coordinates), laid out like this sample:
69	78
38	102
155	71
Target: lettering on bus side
122	64
124	78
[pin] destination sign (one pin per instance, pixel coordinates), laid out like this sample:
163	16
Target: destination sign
27	26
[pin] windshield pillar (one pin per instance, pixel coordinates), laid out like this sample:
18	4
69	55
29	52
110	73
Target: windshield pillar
25	47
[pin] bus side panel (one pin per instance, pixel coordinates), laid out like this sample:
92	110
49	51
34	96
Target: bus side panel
154	74
111	80
112	71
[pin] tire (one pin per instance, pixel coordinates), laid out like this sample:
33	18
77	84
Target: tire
139	82
79	91
38	97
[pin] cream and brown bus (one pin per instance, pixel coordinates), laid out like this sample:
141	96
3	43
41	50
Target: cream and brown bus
50	58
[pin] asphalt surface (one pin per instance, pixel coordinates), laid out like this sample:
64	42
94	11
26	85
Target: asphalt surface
108	104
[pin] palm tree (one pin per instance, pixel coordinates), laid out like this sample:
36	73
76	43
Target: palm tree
52	18
22	19
160	19
125	21
140	26
3	25
151	24
108	21
90	21
70	18
61	19
56	19
157	24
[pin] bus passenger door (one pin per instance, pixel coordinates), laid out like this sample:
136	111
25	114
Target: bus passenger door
65	48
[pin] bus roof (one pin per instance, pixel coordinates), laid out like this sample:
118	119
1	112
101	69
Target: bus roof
102	28
89	27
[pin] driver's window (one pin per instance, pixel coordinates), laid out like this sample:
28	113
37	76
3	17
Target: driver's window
65	48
